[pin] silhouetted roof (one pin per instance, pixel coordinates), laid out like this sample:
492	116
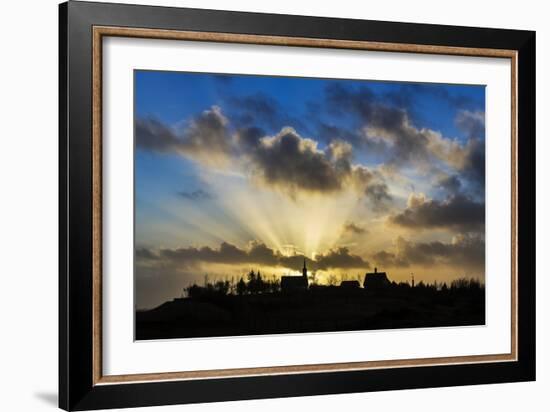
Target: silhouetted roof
349	284
293	282
376	279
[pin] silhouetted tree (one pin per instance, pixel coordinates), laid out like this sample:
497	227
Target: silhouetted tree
251	285
241	287
222	287
275	285
464	284
461	283
260	284
193	291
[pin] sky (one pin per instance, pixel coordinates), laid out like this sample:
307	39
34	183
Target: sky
239	172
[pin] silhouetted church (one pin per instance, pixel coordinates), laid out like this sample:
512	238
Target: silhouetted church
376	280
295	283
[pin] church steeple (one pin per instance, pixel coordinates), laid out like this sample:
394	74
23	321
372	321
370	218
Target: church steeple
304	270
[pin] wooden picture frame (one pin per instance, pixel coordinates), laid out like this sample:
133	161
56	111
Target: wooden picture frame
82	384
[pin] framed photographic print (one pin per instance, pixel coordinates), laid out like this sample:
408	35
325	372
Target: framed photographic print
257	205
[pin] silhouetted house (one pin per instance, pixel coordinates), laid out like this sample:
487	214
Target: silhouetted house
295	283
376	280
350	284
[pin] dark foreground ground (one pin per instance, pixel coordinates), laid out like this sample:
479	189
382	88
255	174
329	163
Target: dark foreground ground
322	310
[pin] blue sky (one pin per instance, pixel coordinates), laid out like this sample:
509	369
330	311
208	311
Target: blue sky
264	163
174	96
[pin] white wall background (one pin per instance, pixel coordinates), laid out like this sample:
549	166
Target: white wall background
28	204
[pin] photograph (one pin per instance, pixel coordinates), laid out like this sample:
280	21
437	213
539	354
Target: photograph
272	204
264	204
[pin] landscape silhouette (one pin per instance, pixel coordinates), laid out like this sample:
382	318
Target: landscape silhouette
255	305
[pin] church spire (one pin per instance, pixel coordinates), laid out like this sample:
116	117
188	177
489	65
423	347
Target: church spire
304	270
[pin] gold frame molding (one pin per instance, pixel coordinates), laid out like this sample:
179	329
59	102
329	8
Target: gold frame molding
102	31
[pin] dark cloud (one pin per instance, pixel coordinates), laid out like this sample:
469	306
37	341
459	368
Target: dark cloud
372	185
385	121
291	162
388	127
227	253
256	108
260	253
474	166
378	194
249	137
371	148
364	105
329	132
344	100
296	262
206	137
155	136
195	195
351	227
384	258
224	79
256	254
386	110
285	161
145	254
464	252
471	123
260	108
406	96
340	258
456	212
450	184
